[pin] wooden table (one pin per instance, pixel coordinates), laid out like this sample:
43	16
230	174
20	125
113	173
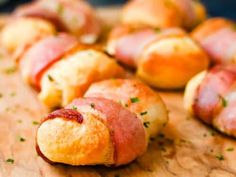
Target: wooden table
185	148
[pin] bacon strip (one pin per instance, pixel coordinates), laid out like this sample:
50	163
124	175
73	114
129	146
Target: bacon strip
221	45
216	83
130	46
126	129
34	10
46	52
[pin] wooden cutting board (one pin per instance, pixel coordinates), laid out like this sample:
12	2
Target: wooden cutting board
185	148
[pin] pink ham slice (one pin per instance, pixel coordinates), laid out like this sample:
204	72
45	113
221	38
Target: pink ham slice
74	16
217	82
126	129
130	46
225	115
46	52
34	10
221	45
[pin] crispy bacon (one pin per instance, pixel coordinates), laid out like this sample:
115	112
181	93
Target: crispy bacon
210	92
126	129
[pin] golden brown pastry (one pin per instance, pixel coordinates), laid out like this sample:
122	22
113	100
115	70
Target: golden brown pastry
71	76
210	96
62	69
74	16
21	33
163	13
218	37
164	59
98	129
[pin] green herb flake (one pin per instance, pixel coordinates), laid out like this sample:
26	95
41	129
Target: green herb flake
212	133
126	105
220	157
19	121
157	30
234	27
224	102
230	149
134	99
74	107
13	94
50	78
60	9
146	124
10	160
35	123
10	70
21	139
143	113
92	105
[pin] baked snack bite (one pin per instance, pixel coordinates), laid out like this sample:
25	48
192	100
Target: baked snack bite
135	96
70	77
75	16
163	13
38	58
217	37
20	33
163	58
98	130
210	96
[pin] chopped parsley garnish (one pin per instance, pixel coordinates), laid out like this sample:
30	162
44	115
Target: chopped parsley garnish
234	27
134	99
50	78
10	70
35	123
74	107
21	139
10	161
146	124
224	102
212	132
230	149
126	105
60	9
157	30
143	113
220	157
92	105
19	121
13	94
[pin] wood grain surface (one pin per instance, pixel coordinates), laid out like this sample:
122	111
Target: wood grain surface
185	148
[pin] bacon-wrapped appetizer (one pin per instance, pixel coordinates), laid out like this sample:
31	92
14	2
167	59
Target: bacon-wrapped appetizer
210	96
62	71
34	21
218	37
97	130
74	16
42	55
163	13
158	55
21	33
